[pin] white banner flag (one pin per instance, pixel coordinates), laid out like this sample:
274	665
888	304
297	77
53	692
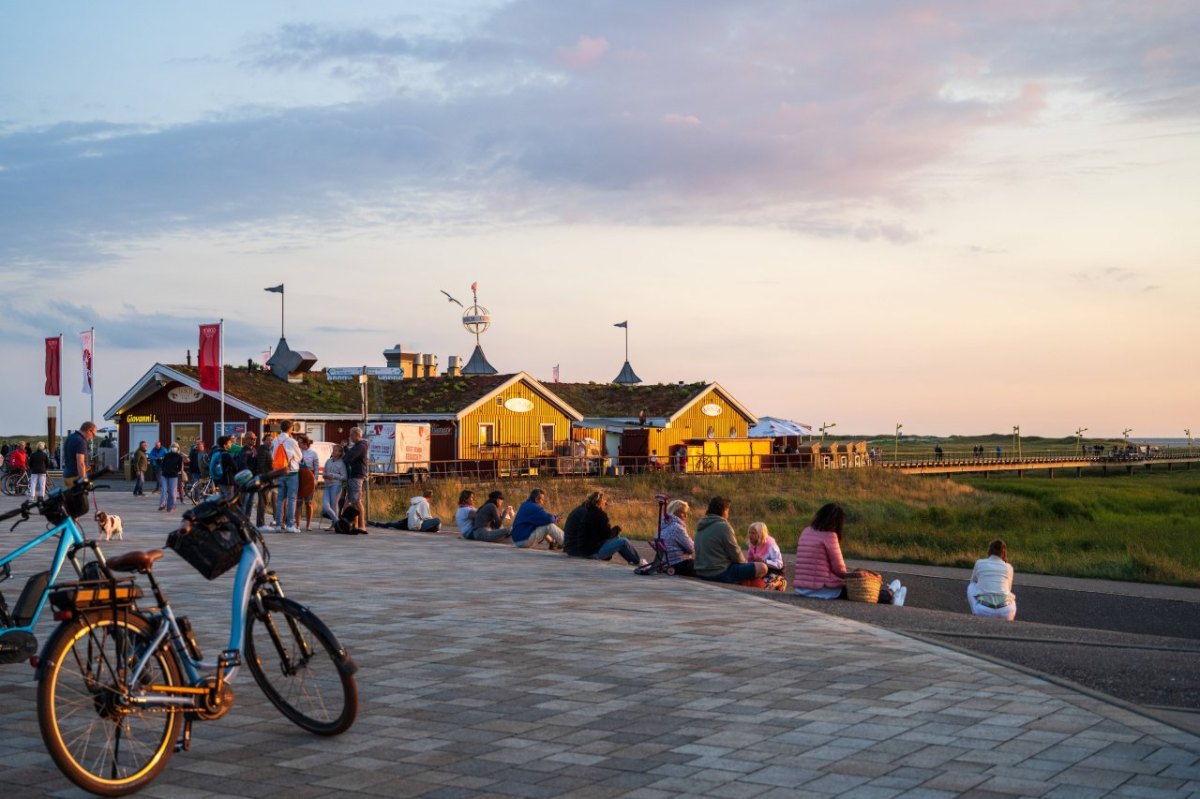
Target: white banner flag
85	341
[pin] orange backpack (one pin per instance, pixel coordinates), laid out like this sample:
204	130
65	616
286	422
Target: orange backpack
280	459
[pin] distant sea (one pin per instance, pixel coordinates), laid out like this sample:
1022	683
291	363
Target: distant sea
1162	442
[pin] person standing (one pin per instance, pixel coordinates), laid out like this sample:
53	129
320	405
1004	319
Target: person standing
156	456
247	460
356	475
221	468
75	454
266	499
535	524
171	467
39	464
141	462
310	465
18	460
335	478
990	591
286	451
718	556
197	461
420	515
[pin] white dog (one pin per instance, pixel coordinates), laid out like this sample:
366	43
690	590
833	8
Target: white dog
110	525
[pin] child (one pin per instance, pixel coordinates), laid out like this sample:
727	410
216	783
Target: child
763	549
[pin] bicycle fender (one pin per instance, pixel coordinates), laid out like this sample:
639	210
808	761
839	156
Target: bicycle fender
345	663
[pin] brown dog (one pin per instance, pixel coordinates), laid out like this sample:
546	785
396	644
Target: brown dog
110	525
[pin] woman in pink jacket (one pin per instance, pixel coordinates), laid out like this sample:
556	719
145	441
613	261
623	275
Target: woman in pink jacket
820	571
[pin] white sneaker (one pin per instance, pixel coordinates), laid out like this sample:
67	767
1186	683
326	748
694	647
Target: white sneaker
643	563
898	596
292	529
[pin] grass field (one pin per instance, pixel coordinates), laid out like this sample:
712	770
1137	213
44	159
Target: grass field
1143	528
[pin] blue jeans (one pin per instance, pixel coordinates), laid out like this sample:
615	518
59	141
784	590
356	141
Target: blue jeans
139	484
289	487
329	503
170	487
736	573
618	546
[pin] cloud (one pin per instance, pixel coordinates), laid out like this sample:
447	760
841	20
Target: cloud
754	113
586	52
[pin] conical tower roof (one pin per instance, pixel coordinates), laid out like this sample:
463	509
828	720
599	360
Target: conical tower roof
478	365
627	376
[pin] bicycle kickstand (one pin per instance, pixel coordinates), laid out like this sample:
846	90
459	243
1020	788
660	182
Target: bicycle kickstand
185	738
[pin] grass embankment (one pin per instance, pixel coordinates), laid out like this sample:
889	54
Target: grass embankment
1142	528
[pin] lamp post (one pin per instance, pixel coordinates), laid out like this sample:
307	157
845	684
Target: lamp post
826	426
1079	439
1188	432
896	451
1017	440
362	387
1126	433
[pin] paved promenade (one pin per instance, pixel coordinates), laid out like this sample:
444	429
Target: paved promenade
488	671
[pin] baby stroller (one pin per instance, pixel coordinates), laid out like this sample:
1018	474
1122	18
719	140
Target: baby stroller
660	564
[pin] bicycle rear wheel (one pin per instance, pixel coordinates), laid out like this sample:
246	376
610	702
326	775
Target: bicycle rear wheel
96	737
301	667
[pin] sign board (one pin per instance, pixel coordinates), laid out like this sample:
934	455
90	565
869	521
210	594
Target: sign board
711	409
229	429
144	417
397	447
184	395
336	373
519	405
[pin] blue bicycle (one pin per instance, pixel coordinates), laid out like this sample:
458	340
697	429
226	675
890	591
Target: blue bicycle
17	641
119	687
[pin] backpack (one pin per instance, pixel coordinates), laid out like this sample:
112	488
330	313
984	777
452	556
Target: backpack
216	466
279	459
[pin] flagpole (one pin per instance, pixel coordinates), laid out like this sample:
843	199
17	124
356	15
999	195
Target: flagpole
626	342
92	380
221	366
281	304
61	415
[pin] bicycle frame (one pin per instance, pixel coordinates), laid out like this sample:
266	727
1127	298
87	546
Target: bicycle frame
251	572
69	543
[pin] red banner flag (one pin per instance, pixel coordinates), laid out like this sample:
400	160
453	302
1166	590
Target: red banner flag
53	362
210	357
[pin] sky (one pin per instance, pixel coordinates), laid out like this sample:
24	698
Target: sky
956	216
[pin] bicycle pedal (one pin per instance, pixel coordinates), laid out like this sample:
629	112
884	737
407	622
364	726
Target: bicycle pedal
229	658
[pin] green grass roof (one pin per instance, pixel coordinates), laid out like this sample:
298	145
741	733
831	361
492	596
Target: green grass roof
608	400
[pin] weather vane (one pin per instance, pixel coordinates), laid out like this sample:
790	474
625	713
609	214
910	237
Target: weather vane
476	319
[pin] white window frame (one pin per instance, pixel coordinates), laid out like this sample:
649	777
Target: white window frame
546	442
487	435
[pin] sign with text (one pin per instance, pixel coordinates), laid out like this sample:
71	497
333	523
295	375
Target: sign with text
336	373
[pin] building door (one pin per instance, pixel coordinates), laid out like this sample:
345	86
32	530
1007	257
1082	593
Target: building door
142	432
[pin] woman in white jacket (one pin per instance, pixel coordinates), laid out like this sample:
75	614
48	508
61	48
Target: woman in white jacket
990	591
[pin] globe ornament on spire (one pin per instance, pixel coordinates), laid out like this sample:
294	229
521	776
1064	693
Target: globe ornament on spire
476	320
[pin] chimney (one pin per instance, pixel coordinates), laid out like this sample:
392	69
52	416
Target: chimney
392	356
189	357
428	365
453	366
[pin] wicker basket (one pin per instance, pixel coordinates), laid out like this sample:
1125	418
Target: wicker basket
863	587
211	549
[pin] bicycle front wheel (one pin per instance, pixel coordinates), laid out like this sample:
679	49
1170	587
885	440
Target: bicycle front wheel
301	667
100	740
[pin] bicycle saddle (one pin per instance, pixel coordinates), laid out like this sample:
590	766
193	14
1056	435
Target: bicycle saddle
135	561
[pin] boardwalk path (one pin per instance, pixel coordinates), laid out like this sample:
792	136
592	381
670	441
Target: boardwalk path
487	671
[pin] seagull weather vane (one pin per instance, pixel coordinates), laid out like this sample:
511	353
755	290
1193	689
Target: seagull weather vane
476	319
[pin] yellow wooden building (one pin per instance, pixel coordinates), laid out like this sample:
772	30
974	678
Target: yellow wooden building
649	425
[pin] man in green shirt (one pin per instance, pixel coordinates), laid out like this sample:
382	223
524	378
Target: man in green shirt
718	556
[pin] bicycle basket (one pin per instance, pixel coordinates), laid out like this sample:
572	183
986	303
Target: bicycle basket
66	502
212	546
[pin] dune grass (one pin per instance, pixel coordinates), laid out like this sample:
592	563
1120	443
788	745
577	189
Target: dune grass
1142	528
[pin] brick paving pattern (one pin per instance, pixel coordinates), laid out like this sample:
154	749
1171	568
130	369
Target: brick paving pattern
487	671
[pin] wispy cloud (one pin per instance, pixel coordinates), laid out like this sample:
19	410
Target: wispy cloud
753	113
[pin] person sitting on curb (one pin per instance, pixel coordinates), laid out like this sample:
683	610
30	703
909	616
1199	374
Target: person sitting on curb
718	556
535	524
680	547
492	520
763	549
464	517
820	571
420	515
596	537
990	591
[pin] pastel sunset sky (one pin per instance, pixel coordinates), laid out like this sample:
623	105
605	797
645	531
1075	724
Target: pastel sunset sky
960	216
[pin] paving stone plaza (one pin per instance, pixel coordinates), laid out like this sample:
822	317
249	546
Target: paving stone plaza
489	671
